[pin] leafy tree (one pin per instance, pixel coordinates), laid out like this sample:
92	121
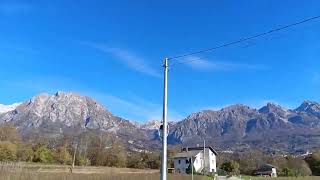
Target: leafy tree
25	153
42	154
152	160
231	167
8	151
314	163
189	170
251	161
135	160
82	161
62	156
299	167
286	172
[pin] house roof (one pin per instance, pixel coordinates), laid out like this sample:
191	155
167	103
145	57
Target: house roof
265	168
199	148
268	166
187	154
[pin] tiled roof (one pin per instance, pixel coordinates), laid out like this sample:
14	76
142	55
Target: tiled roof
200	148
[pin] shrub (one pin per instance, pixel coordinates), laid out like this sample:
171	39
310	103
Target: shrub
189	170
25	154
8	151
62	156
231	167
43	154
314	163
286	172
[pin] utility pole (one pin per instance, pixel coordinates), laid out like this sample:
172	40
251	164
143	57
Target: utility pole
165	123
191	168
204	156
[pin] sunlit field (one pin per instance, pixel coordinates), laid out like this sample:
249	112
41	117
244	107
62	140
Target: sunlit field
33	171
55	172
281	178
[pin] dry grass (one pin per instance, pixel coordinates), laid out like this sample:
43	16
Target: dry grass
23	171
54	172
283	178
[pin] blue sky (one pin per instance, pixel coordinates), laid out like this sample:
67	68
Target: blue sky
113	51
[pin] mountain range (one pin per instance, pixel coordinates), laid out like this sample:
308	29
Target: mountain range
272	128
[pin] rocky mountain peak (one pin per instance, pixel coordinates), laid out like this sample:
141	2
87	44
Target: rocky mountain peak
62	109
7	108
151	124
236	107
273	108
311	107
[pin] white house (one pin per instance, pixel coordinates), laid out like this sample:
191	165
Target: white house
201	163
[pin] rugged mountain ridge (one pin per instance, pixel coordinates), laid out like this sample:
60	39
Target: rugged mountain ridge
237	127
54	115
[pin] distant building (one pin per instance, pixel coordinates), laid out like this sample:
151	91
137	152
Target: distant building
266	170
201	161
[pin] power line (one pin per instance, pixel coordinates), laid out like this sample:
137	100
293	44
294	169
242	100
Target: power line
246	39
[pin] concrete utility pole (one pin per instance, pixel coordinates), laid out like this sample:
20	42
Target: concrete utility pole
165	123
204	156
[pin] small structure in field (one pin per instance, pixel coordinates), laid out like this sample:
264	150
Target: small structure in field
266	170
202	159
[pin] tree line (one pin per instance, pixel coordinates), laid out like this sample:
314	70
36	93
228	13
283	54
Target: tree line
104	149
287	165
88	148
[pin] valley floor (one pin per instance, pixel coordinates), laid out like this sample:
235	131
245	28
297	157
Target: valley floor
56	172
281	178
33	171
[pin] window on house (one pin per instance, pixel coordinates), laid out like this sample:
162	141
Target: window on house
187	161
212	161
179	161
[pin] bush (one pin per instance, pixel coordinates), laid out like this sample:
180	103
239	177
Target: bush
231	167
314	163
82	161
8	151
135	161
25	154
62	156
42	154
189	170
286	172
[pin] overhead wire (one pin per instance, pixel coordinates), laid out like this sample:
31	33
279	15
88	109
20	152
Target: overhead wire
239	41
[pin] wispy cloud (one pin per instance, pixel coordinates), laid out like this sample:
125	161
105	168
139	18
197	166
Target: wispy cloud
126	57
203	64
11	8
134	108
